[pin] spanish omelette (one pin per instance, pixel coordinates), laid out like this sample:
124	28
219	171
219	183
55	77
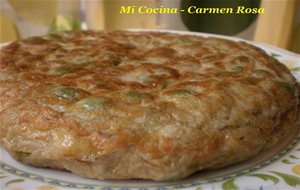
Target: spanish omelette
147	105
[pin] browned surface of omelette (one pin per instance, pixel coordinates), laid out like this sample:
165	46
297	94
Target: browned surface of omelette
119	105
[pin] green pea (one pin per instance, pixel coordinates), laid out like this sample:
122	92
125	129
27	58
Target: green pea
65	93
287	87
116	60
208	57
82	60
63	70
238	69
181	92
92	103
149	79
161	71
136	95
262	74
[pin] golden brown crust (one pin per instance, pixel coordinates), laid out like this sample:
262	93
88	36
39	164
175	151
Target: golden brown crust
119	105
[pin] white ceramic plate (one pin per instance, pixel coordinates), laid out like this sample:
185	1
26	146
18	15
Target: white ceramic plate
276	168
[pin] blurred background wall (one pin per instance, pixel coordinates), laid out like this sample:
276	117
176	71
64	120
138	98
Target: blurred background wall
279	25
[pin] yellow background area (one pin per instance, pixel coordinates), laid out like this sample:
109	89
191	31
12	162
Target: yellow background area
8	31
